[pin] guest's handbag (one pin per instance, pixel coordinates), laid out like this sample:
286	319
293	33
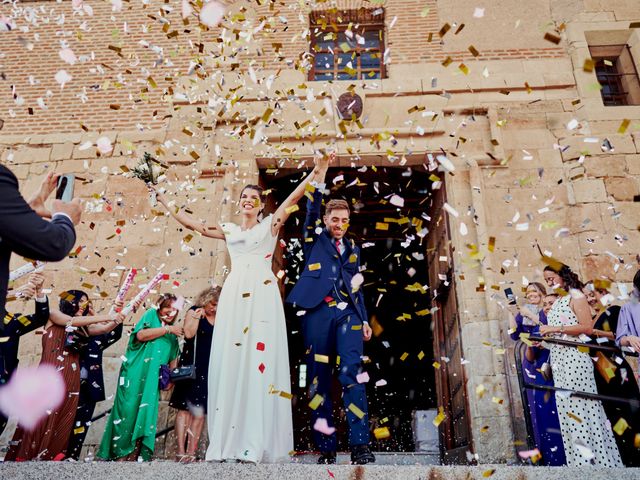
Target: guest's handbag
187	372
76	340
164	377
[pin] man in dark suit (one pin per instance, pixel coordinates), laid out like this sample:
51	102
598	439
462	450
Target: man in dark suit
18	325
334	323
24	231
91	387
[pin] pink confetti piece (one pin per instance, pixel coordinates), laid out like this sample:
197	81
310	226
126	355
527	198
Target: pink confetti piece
362	377
104	145
63	77
31	393
529	453
67	55
211	14
322	426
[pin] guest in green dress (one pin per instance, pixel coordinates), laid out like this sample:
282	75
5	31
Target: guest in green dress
131	427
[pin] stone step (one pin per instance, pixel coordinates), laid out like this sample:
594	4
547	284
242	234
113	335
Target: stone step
164	470
382	458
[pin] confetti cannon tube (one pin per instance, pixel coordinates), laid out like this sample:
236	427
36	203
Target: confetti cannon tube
26	270
126	286
139	298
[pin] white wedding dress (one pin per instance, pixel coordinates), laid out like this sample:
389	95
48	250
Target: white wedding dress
249	401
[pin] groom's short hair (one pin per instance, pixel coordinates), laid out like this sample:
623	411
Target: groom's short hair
336	204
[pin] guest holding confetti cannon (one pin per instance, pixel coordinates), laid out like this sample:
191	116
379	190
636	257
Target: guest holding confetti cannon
524	321
63	337
613	374
249	400
190	395
131	427
19	325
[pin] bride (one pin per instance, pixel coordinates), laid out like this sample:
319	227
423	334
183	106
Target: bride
249	402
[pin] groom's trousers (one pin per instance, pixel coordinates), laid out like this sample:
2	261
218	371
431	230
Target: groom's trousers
332	335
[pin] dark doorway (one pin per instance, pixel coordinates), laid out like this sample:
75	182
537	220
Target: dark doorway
391	231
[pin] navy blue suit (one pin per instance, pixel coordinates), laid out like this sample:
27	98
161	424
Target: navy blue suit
91	387
332	326
16	326
24	232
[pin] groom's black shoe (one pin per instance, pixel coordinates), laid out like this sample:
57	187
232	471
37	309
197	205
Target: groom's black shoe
361	455
327	458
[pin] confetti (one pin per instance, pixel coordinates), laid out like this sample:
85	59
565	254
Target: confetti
211	13
356	411
316	401
321	425
381	433
31	393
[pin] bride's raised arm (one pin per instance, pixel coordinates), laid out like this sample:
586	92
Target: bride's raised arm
187	220
317	174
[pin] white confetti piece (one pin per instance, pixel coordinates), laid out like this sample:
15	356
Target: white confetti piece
104	145
63	77
67	55
451	210
211	14
478	12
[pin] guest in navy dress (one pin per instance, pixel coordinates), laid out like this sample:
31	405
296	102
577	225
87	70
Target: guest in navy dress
190	396
542	404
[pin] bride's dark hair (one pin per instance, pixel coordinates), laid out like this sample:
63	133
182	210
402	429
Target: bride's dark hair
567	275
260	191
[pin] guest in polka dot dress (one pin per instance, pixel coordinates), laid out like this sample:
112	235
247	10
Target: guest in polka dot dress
586	433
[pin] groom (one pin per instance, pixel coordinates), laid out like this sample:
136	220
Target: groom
334	323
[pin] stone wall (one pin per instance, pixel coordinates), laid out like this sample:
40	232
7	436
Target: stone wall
524	127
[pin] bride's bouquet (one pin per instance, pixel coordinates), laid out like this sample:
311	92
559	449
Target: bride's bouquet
149	170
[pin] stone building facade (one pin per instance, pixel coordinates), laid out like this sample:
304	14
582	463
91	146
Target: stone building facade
498	103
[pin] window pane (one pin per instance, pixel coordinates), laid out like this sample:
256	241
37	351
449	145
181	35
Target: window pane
369	61
346	60
323	76
323	61
346	76
372	39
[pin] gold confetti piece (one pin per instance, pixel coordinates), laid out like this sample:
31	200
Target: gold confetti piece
497	400
353	258
480	390
315	266
589	65
439	418
321	358
463	68
421	356
246	295
381	433
423	313
187	238
436	365
574	417
473	51
499	351
356	327
246	329
443	31
152	82
447	61
376	327
620	426
356	411
24	320
550	37
404	356
267	113
291	209
382	226
488	473
485	429
286	395
636	440
492	244
316	401
624	125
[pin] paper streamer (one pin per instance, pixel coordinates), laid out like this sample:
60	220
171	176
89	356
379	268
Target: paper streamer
139	298
26	270
126	286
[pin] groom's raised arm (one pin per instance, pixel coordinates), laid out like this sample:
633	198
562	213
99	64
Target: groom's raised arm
312	221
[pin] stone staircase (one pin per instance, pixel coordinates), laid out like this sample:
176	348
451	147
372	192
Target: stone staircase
164	470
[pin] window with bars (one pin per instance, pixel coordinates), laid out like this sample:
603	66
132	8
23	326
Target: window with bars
347	45
617	75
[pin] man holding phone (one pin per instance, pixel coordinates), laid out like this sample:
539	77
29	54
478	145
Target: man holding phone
24	231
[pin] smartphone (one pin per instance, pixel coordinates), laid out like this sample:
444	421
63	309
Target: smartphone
64	190
511	298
